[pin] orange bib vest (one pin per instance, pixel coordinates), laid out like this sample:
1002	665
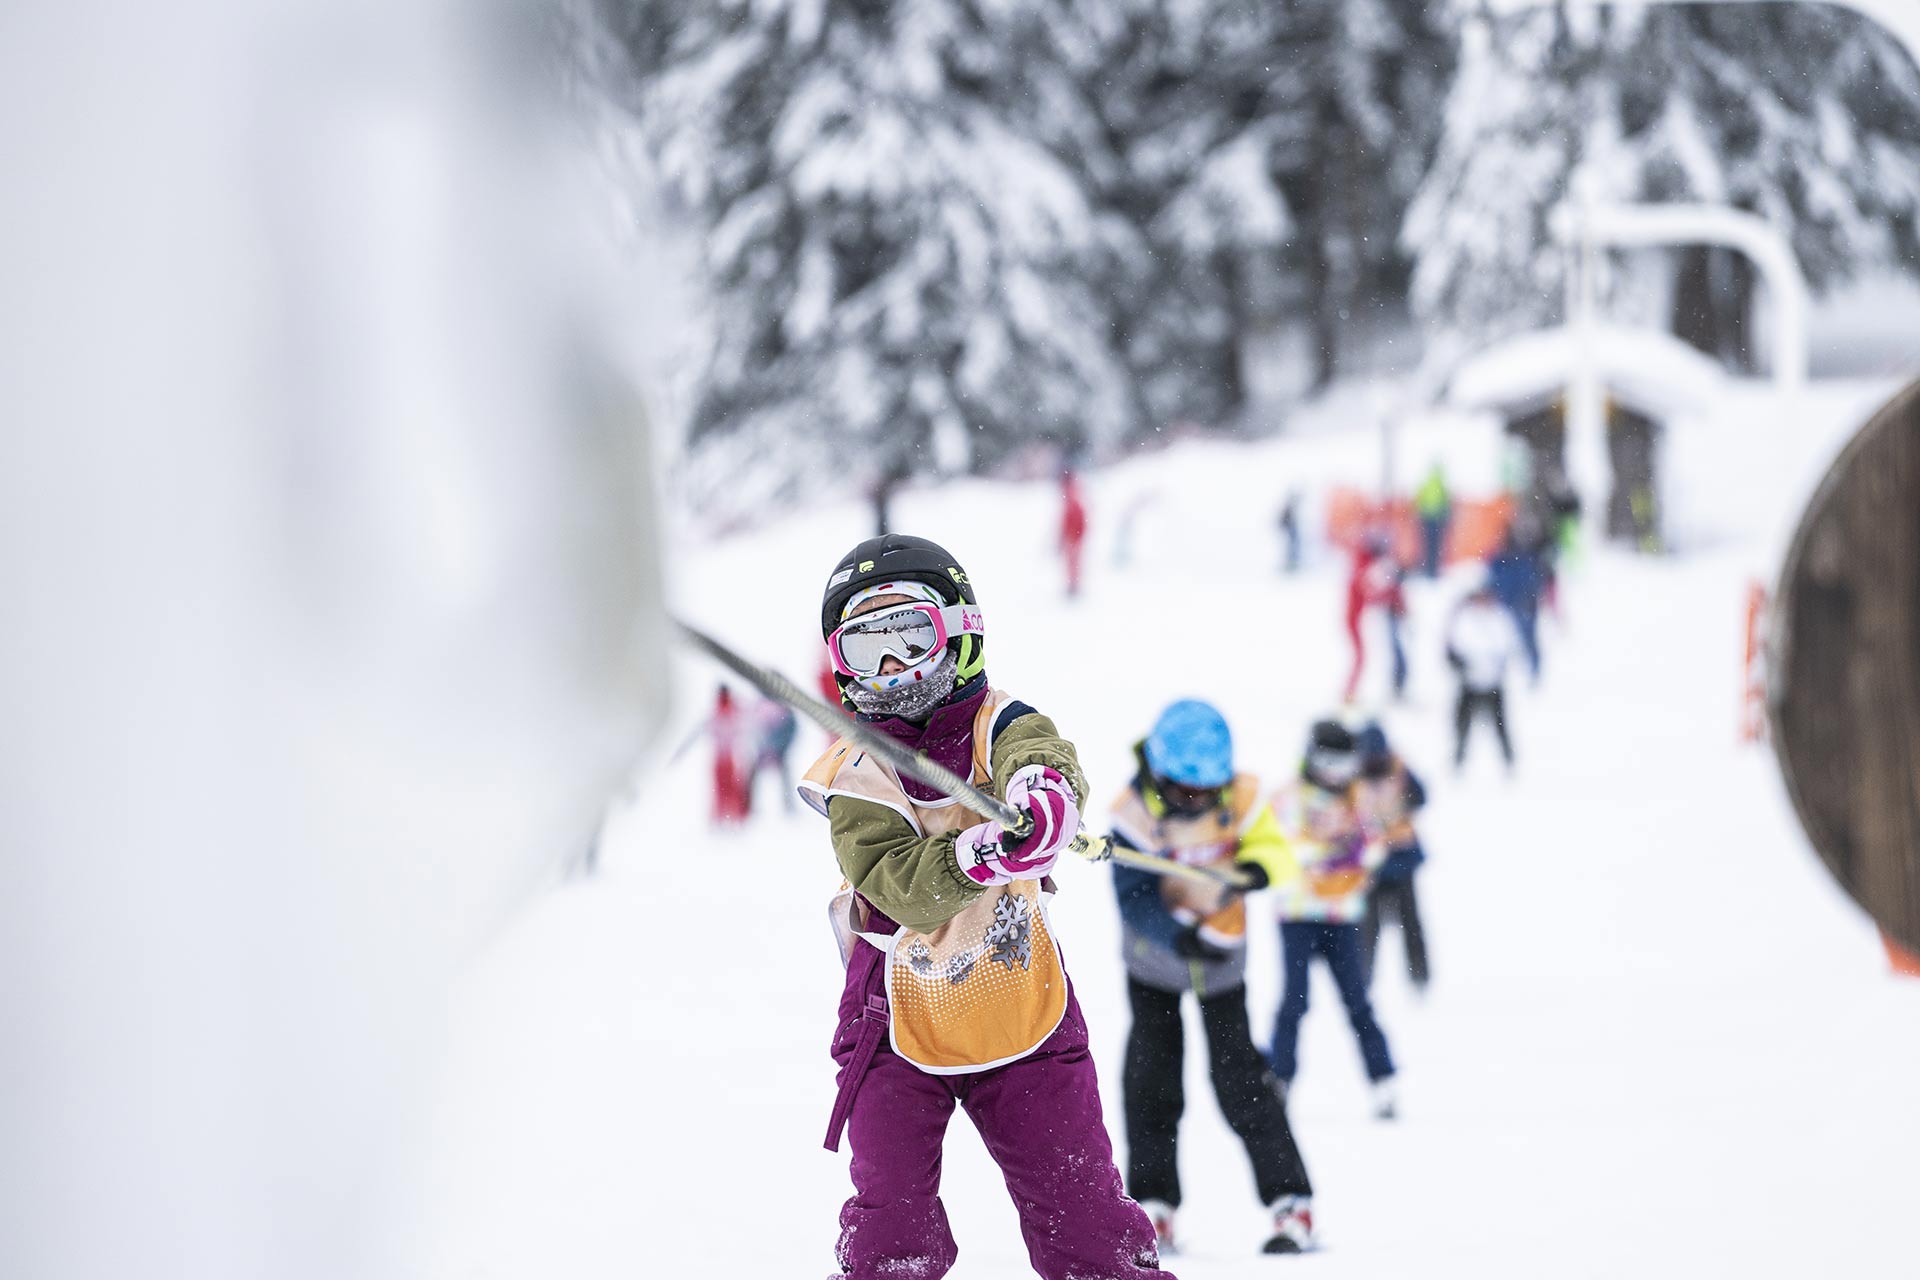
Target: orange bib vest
1208	840
987	987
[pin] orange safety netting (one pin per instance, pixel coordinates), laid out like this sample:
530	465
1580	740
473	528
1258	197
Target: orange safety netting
1478	525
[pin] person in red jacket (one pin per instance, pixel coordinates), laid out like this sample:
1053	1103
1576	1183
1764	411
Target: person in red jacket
1073	528
1375	581
730	732
734	742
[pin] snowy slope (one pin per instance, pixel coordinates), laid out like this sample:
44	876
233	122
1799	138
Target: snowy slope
1660	1042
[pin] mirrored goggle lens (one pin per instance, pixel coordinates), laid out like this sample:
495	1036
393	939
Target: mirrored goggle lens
908	635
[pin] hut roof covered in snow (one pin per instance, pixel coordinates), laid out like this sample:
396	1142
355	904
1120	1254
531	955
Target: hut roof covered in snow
1646	369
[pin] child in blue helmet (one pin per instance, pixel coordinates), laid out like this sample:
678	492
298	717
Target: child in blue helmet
1186	804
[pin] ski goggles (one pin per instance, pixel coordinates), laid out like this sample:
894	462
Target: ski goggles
1183	801
1335	767
907	632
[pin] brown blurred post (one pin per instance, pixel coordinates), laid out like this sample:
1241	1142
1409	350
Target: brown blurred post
1845	669
1753	668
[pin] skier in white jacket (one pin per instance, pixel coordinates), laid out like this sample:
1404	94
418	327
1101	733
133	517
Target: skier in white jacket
1481	641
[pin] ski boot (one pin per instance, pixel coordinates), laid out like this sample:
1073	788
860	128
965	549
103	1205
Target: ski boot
1160	1213
1386	1100
1292	1226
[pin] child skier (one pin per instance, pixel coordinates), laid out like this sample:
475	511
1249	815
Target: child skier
1482	640
777	729
955	992
1320	909
732	782
1073	529
1375	581
1186	804
1387	795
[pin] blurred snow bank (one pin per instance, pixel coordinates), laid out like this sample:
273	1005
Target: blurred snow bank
326	547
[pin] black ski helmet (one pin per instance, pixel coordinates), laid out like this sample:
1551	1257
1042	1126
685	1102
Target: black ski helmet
1328	741
889	558
1330	735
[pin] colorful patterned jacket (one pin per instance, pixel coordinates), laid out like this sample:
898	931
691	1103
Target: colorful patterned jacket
1336	854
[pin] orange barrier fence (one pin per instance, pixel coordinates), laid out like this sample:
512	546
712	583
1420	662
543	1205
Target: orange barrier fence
1476	532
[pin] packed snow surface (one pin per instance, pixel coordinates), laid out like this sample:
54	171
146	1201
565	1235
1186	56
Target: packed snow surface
1659	1042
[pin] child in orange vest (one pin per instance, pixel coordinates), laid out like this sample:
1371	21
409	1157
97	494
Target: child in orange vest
955	992
1188	805
1321	908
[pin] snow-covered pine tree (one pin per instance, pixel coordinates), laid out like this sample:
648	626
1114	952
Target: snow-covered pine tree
898	272
1510	138
1814	113
1172	138
1363	82
1239	143
1806	115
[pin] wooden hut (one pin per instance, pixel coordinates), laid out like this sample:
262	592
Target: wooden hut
1651	381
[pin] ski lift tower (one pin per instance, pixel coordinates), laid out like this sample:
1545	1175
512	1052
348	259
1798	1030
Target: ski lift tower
1585	226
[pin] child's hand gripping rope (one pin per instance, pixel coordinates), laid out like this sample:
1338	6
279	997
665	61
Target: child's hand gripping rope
992	853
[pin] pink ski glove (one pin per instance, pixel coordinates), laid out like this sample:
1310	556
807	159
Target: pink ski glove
983	851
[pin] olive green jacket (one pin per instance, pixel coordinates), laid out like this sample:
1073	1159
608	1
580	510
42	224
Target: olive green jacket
915	879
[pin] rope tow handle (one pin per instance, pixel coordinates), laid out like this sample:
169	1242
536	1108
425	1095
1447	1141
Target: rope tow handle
1018	822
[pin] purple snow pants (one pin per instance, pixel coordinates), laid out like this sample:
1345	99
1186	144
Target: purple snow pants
1040	1120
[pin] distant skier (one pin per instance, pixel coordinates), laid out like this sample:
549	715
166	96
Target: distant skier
1434	505
1188	805
776	728
1557	544
955	993
1481	640
1290	533
1321	908
732	756
1375	583
1073	529
1517	576
1387	795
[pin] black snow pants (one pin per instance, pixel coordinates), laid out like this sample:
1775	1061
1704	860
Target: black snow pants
1151	1087
1395	899
1471	703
